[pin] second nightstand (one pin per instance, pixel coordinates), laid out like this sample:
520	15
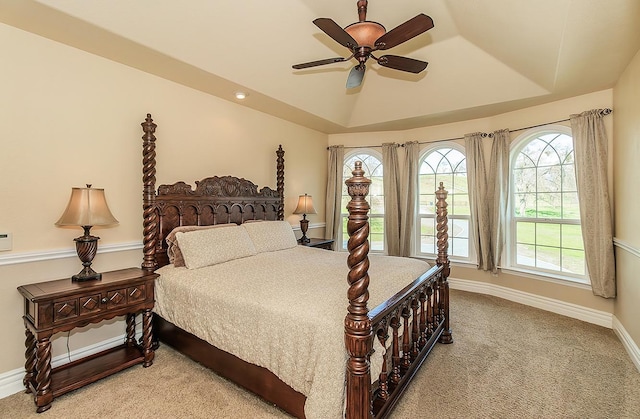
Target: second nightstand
319	243
62	305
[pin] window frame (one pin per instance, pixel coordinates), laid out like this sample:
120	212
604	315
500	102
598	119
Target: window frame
417	245
510	249
341	245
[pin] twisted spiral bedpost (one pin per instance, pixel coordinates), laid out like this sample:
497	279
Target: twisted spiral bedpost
280	180
30	356
358	331
442	227
150	218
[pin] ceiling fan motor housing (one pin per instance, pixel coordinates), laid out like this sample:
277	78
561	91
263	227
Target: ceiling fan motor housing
365	33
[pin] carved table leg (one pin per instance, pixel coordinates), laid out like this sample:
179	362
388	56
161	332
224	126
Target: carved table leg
131	329
43	396
30	356
147	350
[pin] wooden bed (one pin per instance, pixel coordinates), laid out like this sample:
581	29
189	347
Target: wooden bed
404	328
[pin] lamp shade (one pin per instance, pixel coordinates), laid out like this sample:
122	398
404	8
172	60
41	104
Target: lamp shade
87	207
305	205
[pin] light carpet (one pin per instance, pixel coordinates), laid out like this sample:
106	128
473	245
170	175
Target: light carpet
507	361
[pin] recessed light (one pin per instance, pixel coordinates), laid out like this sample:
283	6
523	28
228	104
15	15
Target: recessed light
241	95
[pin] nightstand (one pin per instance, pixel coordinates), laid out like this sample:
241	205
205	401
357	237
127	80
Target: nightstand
62	305
319	243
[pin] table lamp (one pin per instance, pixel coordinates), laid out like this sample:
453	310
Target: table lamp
87	207
305	206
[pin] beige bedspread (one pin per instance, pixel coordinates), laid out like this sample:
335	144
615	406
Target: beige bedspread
281	310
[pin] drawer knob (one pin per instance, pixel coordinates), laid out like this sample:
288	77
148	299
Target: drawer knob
104	300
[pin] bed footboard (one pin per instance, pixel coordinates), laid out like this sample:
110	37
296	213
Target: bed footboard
416	317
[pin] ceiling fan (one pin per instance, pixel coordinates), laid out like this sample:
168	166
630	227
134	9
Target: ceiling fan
364	37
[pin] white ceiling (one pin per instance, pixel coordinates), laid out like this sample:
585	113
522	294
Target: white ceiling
485	56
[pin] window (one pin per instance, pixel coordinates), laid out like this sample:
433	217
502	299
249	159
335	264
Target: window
447	165
545	231
372	166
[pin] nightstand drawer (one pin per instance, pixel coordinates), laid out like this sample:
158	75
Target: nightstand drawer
89	304
115	298
65	310
135	294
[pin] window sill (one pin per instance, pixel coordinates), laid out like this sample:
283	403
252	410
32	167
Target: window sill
556	279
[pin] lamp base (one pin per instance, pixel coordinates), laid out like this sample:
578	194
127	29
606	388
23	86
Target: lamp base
86	247
87	274
304	226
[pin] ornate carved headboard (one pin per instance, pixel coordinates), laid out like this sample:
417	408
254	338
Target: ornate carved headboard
215	200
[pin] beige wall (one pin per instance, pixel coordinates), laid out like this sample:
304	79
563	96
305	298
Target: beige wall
579	295
68	118
626	153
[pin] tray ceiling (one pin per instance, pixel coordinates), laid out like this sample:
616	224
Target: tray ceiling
485	56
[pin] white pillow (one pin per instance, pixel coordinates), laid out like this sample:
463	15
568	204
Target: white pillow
214	245
173	249
269	236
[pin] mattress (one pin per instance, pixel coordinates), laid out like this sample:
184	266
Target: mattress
282	310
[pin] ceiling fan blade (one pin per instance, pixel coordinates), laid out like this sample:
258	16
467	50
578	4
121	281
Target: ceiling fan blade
319	62
338	34
355	76
402	63
409	29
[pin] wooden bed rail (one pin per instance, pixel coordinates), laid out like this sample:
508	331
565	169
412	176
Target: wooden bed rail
418	315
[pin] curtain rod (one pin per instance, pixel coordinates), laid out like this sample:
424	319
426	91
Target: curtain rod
603	112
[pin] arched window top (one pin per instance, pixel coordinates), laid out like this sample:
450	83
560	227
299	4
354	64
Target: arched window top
371	163
445	162
547	146
443	159
546	150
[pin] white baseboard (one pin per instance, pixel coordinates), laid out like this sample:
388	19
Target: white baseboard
574	311
627	342
11	382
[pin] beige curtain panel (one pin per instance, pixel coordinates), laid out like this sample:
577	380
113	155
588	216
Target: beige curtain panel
498	183
409	197
590	147
334	193
391	198
478	199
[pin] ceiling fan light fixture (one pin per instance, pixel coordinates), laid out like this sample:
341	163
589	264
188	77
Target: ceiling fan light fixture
365	33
